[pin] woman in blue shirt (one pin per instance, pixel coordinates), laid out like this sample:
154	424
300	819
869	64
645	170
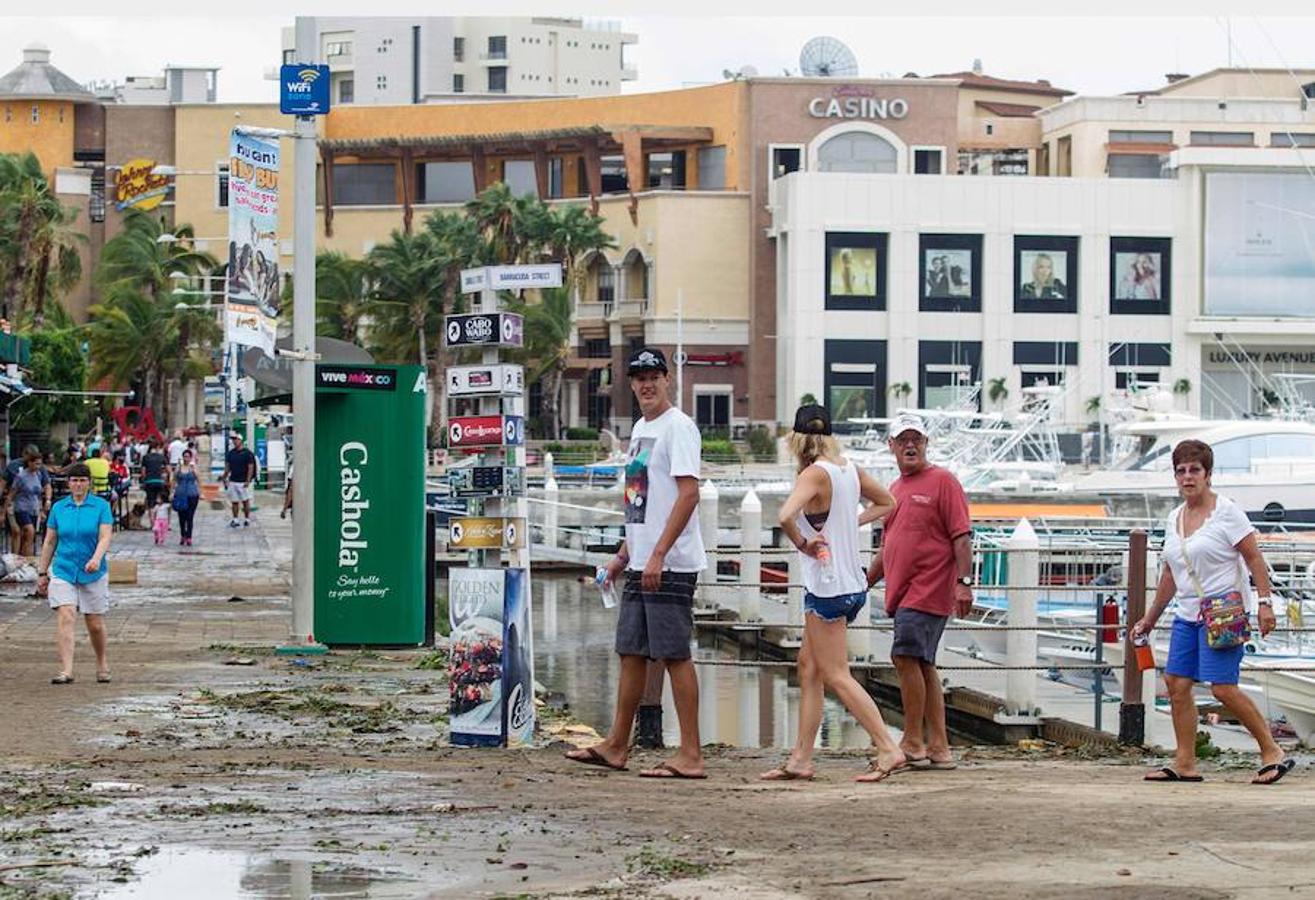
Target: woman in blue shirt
78	535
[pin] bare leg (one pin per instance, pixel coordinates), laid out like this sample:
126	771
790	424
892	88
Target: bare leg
800	760
653	679
615	748
938	738
1240	705
29	539
1183	708
96	631
246	509
685	691
64	617
236	507
913	694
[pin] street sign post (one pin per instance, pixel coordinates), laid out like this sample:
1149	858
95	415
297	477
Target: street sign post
485	330
502	379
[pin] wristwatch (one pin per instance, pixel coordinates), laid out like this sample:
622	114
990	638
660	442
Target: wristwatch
966	580
1266	601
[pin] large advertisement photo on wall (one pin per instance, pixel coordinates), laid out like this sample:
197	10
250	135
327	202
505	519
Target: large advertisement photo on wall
1045	274
950	272
1259	244
855	270
1140	271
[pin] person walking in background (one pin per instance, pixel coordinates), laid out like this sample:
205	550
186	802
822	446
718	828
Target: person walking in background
1207	541
73	570
239	476
661	556
187	496
821	517
98	464
28	500
176	448
926	558
155	474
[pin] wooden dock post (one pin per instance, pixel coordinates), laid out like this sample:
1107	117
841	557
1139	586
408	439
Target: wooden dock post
1132	711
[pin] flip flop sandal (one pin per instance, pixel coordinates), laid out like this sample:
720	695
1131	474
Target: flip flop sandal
781	773
1169	775
941	765
1282	768
918	762
593	758
883	774
666	770
62	679
103	677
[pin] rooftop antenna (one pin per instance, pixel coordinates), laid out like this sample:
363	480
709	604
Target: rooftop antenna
827	57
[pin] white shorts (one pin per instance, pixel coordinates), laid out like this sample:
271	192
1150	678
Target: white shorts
239	491
91	598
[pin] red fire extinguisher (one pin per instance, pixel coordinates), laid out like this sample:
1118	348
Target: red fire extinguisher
1109	615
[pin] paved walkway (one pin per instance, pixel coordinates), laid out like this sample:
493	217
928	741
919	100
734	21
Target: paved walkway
183	593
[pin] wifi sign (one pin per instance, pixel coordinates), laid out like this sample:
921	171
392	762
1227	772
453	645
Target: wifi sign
304	90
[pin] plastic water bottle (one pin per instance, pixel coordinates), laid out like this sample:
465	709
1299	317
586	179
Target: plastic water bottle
827	570
605	587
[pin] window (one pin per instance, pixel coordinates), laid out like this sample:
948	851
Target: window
1064	157
1045	274
221	186
518	175
458	49
338	48
96	206
1043	160
854	381
1138	165
381	82
858	151
1040	378
1223	139
856	270
36	113
597	348
445	182
498	80
1140	275
606	285
347	91
928	162
712	412
556	187
786	160
289	57
497	47
458	83
615	179
1141	137
365	184
712	168
949	370
950	272
1131	380
1288	139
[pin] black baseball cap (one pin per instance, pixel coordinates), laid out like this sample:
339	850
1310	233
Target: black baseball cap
812	419
647	359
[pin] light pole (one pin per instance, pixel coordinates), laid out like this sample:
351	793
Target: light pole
226	372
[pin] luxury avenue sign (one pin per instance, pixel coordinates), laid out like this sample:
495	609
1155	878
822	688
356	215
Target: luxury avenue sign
857	103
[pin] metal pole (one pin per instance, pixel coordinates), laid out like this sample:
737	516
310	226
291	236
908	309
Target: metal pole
1024	577
1132	711
680	349
303	366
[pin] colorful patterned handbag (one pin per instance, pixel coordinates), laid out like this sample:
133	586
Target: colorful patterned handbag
1225	615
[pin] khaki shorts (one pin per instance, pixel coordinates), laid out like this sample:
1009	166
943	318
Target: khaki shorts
239	491
91	598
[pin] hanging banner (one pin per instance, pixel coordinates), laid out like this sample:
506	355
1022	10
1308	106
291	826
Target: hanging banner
253	287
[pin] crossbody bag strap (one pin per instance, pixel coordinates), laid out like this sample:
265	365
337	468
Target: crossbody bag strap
1191	572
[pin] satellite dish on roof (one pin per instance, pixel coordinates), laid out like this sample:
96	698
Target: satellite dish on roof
827	57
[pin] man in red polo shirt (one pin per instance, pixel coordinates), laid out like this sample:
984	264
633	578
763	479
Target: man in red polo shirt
926	557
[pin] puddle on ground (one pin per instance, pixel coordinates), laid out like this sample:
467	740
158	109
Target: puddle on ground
201	874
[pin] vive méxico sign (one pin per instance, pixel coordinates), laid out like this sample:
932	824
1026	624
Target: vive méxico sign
369	505
304	90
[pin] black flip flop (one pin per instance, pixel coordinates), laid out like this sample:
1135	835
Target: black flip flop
62	679
1282	768
593	758
1170	776
666	770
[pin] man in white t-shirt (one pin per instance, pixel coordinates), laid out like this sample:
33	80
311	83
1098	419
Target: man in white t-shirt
661	557
176	448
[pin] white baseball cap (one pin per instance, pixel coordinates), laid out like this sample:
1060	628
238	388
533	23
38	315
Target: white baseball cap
906	422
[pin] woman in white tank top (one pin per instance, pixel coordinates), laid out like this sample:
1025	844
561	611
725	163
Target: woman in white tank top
822	517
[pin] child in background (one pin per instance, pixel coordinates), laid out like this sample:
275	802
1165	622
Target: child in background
161	522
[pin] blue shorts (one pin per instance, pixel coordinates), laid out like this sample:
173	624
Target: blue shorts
23	517
829	609
1191	657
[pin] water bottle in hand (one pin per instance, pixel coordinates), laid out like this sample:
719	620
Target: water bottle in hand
606	587
827	571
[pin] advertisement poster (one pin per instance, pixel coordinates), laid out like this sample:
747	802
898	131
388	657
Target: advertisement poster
1259	240
517	661
475	611
500	379
253	287
369	509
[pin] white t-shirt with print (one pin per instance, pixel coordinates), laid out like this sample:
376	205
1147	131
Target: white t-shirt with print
660	451
176	448
1215	558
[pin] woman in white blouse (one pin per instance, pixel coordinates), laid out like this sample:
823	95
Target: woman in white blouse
1207	540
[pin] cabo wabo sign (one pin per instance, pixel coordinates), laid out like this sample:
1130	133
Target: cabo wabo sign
857	103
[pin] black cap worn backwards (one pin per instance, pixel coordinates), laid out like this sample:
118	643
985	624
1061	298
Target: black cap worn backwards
647	359
812	419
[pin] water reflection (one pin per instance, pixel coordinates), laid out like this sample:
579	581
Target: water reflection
745	707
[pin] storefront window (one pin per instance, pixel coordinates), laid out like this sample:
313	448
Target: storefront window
858	151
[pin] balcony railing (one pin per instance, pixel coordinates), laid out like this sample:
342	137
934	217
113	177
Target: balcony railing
632	309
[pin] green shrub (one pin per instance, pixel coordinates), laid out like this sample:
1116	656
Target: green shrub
719	449
582	434
762	444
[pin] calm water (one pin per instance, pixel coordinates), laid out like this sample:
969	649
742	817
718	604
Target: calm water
746	707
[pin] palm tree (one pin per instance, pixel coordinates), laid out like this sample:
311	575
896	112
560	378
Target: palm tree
342	288
572	232
410	282
38	246
996	391
142	255
547	347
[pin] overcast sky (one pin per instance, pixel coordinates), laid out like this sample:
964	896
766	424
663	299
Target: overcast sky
1106	55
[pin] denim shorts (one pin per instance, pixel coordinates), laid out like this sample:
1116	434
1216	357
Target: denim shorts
1191	657
829	609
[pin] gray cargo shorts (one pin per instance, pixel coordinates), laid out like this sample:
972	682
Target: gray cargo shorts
917	634
657	625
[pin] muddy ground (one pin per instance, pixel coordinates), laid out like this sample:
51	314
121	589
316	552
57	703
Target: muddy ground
194	776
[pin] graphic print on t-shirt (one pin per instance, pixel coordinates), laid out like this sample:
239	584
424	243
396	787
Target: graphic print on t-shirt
641	451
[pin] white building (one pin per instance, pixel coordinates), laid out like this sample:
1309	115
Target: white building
397	60
178	84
